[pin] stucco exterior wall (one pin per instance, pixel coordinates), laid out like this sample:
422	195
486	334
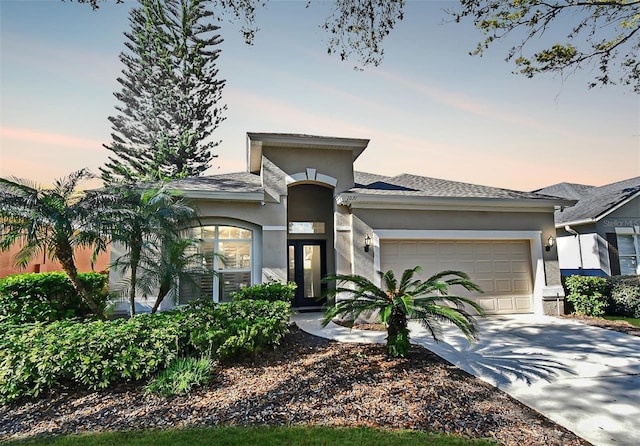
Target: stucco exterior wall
334	163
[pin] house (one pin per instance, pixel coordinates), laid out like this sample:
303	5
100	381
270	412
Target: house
300	212
600	235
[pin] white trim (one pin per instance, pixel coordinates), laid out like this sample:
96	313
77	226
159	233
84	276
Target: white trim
455	234
311	174
534	238
274	228
374	201
230	196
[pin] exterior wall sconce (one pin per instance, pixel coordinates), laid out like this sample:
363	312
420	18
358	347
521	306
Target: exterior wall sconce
367	243
550	242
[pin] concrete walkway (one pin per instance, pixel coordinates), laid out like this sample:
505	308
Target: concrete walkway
584	378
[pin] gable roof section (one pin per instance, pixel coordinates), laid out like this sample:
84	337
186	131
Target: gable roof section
256	141
596	203
404	190
571	191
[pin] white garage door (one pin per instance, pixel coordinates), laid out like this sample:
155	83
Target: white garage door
501	268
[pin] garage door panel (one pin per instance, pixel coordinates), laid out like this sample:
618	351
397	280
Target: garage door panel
427	249
486	285
520	266
502	266
484	266
521	285
446	249
505	305
488	305
502	269
523	304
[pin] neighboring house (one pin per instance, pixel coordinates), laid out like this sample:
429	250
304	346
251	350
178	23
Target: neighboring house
600	235
300	212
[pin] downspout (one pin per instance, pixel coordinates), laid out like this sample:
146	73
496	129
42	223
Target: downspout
576	234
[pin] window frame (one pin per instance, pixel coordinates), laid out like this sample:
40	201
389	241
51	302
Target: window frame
217	267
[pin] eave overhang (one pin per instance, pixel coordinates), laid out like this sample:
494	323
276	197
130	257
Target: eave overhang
591	220
224	196
256	142
375	201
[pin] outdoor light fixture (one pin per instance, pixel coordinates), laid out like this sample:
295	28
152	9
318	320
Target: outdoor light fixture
550	242
367	243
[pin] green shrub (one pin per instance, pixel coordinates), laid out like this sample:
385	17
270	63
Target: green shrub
35	357
587	294
623	294
46	297
232	328
180	376
270	291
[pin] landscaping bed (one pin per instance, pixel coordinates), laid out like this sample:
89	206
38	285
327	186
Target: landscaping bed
307	380
621	326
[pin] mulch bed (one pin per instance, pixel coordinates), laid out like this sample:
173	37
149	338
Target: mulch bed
307	380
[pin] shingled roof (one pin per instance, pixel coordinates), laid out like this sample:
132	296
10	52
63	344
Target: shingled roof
593	202
419	186
239	182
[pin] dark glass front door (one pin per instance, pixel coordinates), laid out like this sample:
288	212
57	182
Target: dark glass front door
307	267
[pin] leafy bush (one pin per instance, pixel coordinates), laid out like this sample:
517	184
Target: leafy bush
46	297
623	294
270	291
587	294
232	328
36	357
180	376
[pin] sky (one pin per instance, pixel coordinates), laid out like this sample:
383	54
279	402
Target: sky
429	109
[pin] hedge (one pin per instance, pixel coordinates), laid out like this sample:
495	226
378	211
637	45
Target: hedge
587	294
623	295
271	291
47	297
38	356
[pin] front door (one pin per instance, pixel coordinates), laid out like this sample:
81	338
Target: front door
307	267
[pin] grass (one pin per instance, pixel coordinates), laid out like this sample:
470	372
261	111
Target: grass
632	320
263	436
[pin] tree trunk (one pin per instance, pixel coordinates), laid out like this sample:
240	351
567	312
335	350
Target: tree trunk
161	295
132	289
398	344
65	256
136	249
397	322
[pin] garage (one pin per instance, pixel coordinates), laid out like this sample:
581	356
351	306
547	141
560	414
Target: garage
502	268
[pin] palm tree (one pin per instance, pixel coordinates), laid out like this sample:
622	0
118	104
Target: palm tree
145	223
53	222
427	301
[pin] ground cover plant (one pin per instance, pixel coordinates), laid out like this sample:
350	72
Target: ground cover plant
37	357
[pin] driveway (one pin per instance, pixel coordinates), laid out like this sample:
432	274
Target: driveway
584	378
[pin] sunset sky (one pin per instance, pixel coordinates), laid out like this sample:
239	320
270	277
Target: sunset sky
429	109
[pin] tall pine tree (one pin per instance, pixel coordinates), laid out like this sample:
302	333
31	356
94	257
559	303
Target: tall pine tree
168	104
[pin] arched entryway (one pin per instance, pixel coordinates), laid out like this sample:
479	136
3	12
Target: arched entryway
310	209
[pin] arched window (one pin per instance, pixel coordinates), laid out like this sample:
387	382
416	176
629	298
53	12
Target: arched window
226	252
